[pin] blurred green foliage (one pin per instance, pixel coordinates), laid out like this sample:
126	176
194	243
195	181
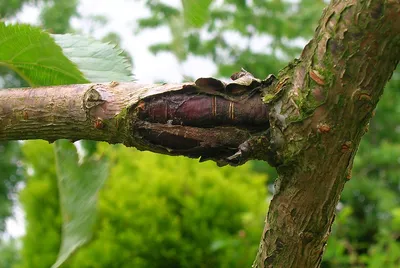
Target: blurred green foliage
10	175
9	253
161	211
55	16
154	211
260	36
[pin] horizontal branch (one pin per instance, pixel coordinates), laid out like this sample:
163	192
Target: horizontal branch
71	111
209	118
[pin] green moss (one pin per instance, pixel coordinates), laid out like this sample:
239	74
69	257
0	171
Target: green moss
122	115
327	72
340	100
121	121
268	97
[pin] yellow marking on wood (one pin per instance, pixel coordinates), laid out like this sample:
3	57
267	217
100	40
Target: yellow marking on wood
214	105
231	110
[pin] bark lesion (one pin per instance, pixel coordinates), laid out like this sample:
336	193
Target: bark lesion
210	119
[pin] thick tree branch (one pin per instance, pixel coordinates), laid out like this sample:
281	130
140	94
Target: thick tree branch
209	118
73	112
325	102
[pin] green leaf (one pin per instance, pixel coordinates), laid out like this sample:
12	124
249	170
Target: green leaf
78	185
99	62
34	55
196	12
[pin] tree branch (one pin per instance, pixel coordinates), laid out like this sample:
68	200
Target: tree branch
71	111
325	102
311	125
208	119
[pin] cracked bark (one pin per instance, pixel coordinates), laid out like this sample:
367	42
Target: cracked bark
318	111
210	119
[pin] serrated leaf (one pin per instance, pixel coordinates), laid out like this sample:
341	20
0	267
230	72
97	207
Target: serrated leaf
99	62
78	185
196	12
34	55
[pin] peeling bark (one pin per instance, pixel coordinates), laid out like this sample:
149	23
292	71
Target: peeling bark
210	119
326	99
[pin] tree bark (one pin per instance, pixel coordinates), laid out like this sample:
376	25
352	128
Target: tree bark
208	118
310	128
73	112
325	101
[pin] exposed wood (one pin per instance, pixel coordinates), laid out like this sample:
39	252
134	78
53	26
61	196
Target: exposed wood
210	119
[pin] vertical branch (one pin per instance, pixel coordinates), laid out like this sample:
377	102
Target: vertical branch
328	98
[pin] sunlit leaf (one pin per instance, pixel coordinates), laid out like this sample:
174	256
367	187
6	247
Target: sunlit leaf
34	55
78	185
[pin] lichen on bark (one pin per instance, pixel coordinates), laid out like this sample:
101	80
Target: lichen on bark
326	99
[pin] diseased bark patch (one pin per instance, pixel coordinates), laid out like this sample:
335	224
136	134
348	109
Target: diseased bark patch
203	110
210	119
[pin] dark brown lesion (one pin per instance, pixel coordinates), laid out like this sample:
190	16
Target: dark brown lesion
203	110
207	143
211	119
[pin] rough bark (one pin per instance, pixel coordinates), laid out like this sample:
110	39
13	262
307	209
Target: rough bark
208	119
324	103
